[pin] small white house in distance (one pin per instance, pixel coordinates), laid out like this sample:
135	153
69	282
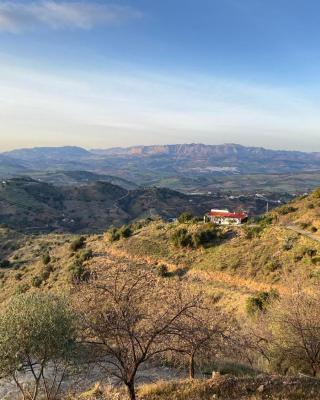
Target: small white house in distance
225	217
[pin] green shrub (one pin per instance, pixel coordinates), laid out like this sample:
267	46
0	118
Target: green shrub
185	217
273	265
114	234
264	221
162	271
36	281
84	255
182	238
141	224
204	236
78	243
45	274
18	276
260	302
36	330
79	273
252	231
315	273
125	231
311	252
46	258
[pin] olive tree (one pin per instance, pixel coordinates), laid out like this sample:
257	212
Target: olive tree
36	331
130	316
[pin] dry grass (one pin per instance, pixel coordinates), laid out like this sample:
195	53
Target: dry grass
225	387
303	212
100	392
229	388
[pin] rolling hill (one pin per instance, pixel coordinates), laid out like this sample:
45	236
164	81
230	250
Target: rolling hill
80	203
245	260
74	178
30	205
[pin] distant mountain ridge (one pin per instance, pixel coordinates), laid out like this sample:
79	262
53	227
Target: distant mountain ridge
199	149
184	167
47	153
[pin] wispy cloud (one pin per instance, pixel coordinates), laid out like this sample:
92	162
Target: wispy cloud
19	16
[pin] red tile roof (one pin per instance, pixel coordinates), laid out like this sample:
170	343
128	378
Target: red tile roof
224	214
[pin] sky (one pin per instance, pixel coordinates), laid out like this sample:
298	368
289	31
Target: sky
99	73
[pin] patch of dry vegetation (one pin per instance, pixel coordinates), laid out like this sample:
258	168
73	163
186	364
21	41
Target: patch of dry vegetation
41	262
221	388
229	387
303	212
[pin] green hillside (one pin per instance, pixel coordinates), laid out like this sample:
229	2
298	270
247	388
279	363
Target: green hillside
240	261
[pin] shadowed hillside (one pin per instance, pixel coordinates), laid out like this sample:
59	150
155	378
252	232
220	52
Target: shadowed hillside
36	206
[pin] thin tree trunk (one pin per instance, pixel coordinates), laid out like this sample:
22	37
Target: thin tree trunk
191	366
36	389
131	391
19	386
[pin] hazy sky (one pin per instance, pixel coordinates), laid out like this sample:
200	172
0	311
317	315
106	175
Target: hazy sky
100	74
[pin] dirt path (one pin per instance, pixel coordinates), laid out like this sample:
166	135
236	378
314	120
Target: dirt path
302	232
217	276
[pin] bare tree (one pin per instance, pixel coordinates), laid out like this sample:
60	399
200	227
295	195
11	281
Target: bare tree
251	341
202	332
295	325
130	316
287	334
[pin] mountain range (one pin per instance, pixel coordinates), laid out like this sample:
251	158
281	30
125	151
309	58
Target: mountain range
185	167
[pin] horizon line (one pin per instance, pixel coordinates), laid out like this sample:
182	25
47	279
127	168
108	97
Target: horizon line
155	145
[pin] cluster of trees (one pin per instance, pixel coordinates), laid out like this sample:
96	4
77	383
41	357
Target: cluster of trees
129	316
122	320
142	317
